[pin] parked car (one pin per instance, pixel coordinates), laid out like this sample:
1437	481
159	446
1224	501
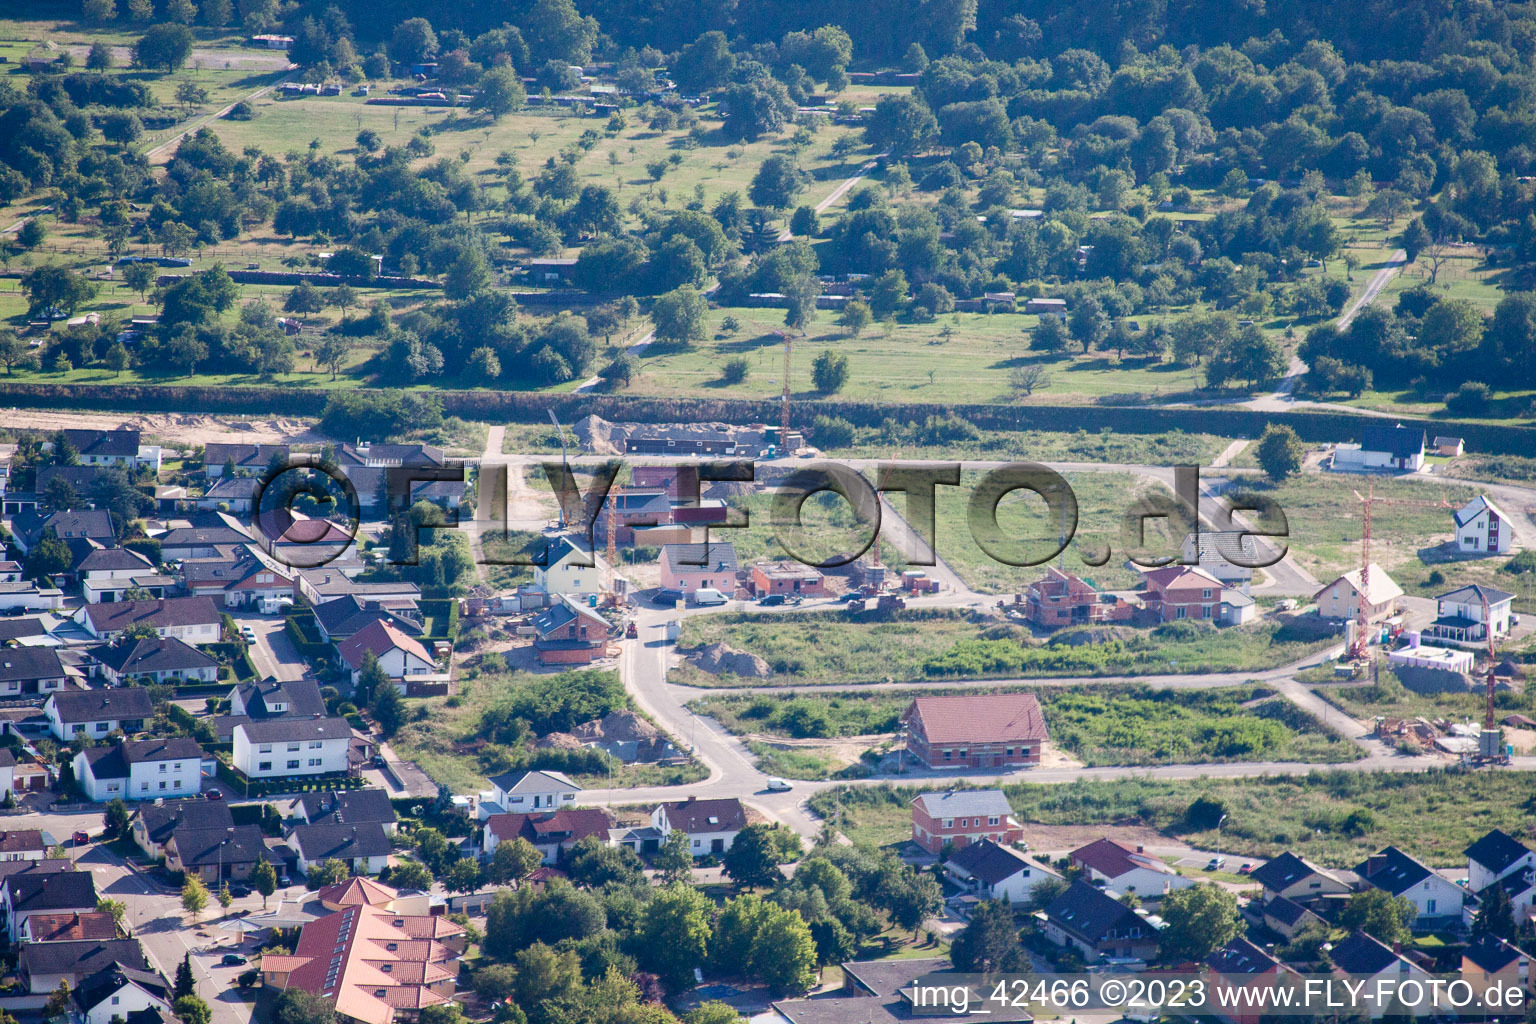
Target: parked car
233	960
214	794
248	634
773	600
1246	869
1215	863
239	892
82	837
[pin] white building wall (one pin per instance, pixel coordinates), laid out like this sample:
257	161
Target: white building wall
1480	878
128	999
306	757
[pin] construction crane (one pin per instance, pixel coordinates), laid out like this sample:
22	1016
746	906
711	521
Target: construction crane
1488	748
1358	644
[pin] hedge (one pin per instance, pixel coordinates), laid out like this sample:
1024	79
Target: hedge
444	615
315	650
1315	426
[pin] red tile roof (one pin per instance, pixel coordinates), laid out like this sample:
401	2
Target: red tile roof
569	824
980	718
1112	859
378	638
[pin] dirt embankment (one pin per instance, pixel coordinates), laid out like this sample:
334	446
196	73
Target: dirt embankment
176	429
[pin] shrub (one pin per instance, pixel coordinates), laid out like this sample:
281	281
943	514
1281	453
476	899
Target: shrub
1470	398
735	370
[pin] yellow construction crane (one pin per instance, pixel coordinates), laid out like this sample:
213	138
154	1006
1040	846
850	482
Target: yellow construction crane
1358	644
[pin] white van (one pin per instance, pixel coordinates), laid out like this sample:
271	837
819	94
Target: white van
709	595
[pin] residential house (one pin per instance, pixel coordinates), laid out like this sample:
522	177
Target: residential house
1286	917
1062	598
154	824
236	495
570	633
32	891
367	466
997	872
141	769
1342	598
251	580
514	792
1464	616
550	832
22	844
1291	877
1395	447
960	817
362	846
328	583
1363	958
164	660
29	597
1519	886
95	713
791	579
103	447
118	992
1057	307
1127	869
287	747
883	991
270	699
1177	592
1094	922
1496	855
1482	528
203	541
30	671
404	660
711	825
44	965
1433	897
337	620
75	524
107	573
193	619
348	807
690	567
570	569
632	509
374	965
72	926
1219	552
1489	962
252	459
218	855
975	731
1242	965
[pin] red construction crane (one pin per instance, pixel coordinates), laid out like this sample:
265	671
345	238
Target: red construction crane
1358	644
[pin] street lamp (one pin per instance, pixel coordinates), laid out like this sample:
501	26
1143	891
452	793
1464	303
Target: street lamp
1219	822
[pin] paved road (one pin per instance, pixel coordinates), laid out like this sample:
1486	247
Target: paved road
154	154
273	653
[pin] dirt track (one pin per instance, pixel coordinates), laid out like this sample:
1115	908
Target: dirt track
174	429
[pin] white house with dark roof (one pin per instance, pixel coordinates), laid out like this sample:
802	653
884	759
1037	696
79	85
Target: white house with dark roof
37	889
141	769
248	458
326	584
118	992
363	846
1396	448
1496	855
25	671
161	660
283	747
1433	897
711	825
154	824
195	620
1482	528
997	872
1364	958
96	713
1291	877
513	792
1463	615
570	569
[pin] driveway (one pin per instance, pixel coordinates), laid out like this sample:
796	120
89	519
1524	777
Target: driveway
273	653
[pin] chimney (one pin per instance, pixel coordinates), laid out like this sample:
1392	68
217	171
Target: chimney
691	798
1397	947
1140	848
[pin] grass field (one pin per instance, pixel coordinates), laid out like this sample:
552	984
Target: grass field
1112	724
828	648
439	729
1326	522
1334	818
1388	698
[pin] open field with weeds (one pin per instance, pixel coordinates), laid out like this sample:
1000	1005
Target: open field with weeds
803	648
1334	818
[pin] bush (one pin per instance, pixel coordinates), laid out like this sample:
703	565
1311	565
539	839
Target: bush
241	111
831	432
1521	564
1471	398
735	370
